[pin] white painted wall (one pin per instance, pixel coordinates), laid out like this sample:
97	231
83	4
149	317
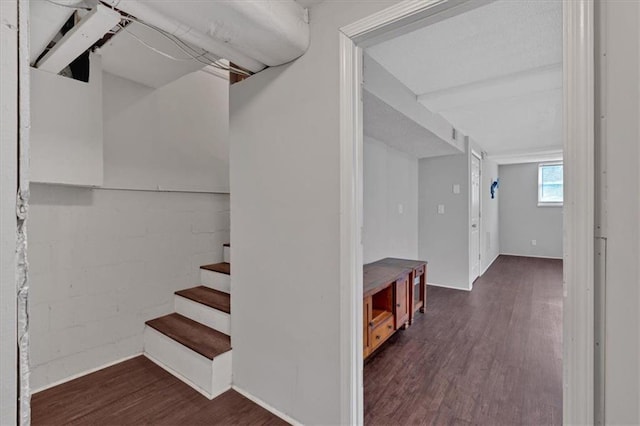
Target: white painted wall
171	138
390	202
619	158
285	174
8	186
443	239
66	128
521	220
102	262
490	223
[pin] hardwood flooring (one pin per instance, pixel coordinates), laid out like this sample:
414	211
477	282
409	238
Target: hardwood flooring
492	356
138	392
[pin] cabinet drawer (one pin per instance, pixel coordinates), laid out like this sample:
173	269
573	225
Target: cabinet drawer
382	332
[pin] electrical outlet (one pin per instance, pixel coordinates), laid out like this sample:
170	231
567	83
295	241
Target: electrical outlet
400	209
456	188
440	208
534	242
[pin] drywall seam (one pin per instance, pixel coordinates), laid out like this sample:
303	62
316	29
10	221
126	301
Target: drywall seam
22	206
23	315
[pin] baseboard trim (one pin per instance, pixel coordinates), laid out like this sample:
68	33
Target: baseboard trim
531	255
266	406
490	263
448	286
84	373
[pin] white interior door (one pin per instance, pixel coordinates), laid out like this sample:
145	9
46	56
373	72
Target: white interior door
475	217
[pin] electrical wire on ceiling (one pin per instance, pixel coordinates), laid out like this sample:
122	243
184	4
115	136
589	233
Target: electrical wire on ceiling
69	5
192	53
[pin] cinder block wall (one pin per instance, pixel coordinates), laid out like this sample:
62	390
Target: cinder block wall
102	262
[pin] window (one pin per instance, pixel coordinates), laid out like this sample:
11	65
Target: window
550	186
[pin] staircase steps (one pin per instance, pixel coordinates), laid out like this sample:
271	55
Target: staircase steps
194	343
199	355
207	296
206	306
216	276
195	336
221	268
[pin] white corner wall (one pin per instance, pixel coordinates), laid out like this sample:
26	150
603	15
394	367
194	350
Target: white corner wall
443	239
66	128
102	262
172	138
490	220
390	202
521	220
285	174
8	185
619	162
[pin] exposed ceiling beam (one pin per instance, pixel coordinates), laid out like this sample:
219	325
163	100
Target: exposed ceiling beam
78	39
496	88
382	84
529	156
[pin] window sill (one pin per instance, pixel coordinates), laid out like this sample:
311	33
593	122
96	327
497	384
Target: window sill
549	204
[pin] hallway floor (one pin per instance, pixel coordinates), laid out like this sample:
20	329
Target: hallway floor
138	392
492	356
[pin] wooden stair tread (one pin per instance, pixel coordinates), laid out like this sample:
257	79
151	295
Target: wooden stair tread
197	337
207	296
223	268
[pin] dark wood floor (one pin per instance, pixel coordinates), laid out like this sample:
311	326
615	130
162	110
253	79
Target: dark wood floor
492	356
138	392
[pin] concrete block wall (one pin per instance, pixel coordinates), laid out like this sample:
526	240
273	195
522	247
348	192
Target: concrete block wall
102	262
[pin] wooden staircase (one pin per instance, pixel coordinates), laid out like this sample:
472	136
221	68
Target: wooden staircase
194	343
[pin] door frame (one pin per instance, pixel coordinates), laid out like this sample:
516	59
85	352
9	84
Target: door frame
473	153
578	234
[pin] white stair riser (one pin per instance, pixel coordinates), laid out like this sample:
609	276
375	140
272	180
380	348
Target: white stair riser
226	254
203	314
210	378
215	280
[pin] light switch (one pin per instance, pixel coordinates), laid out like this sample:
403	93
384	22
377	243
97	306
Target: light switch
440	208
400	209
456	188
534	242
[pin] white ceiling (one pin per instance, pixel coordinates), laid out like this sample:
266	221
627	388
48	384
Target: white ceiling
495	72
128	55
392	127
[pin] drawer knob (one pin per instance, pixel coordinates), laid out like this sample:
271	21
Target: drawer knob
398	305
378	337
371	324
389	326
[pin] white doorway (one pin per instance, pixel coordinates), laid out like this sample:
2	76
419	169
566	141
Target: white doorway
578	26
476	223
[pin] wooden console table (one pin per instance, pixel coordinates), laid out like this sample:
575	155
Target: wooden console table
394	289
